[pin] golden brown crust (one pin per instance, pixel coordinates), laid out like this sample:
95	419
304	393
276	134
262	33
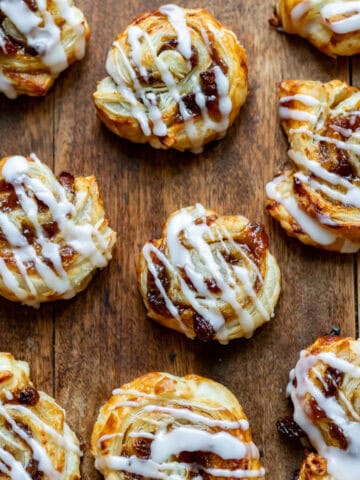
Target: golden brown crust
24	68
31	420
150	90
314	468
53	253
317	199
138	414
315	23
228	284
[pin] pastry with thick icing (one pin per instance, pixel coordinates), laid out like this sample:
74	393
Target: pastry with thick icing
333	26
317	197
53	232
176	79
167	427
38	40
209	276
325	391
35	440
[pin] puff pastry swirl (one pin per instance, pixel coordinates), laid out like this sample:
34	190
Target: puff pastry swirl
177	79
209	276
333	26
167	427
35	440
317	199
325	391
38	40
53	233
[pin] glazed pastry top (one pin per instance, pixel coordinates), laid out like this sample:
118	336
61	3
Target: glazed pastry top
167	427
209	276
333	26
177	79
317	199
325	391
35	441
38	40
53	232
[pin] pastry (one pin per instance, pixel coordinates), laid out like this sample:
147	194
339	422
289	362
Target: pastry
330	25
35	441
314	468
53	233
177	79
317	198
208	276
38	40
325	391
167	427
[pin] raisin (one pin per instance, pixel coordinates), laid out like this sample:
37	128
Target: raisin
212	285
290	430
67	181
202	328
28	396
142	447
337	434
190	103
333	379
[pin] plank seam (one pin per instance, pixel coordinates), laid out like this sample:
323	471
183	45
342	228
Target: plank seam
53	306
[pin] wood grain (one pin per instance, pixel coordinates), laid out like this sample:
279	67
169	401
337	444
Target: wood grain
355	80
102	338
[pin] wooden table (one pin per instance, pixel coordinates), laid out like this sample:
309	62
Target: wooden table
81	349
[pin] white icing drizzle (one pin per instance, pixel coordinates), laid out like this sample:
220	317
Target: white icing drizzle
341	464
129	391
41	32
187	414
12	467
191	439
233	283
177	18
59	439
83	238
308	100
148	113
344	25
310	226
345	132
299	115
168	443
289	113
302	8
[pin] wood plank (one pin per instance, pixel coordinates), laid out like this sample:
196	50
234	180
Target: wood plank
103	337
26	125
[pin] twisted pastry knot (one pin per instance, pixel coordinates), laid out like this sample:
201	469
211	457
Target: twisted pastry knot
325	391
209	277
317	199
35	440
177	79
330	25
166	427
38	40
53	234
